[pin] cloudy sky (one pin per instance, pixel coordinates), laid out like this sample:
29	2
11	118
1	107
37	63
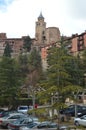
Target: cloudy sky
18	17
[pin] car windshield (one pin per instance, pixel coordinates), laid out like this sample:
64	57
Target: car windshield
23	108
6	116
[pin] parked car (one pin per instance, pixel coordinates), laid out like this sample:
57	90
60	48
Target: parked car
43	125
15	125
30	126
2	112
34	119
51	126
23	109
80	121
4	121
70	110
6	112
64	128
47	124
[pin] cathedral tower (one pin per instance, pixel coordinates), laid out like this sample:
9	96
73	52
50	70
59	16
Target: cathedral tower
40	30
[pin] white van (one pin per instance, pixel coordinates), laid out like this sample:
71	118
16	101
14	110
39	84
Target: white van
23	109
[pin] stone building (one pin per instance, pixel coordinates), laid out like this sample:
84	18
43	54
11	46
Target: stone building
43	35
15	43
40	31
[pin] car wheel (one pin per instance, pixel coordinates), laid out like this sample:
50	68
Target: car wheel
76	123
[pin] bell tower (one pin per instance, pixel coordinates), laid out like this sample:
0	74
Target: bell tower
40	30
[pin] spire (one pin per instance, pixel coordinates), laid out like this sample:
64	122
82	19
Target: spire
40	16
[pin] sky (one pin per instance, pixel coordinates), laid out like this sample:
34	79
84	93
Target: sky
18	17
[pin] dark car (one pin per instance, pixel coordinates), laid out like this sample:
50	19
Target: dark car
70	110
47	124
2	112
83	112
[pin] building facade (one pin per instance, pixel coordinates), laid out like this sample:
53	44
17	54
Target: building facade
44	38
15	43
77	43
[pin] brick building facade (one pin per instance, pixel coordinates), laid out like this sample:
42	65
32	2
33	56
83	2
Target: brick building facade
77	43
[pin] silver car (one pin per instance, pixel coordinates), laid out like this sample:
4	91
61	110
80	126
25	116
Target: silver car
29	126
80	121
15	125
4	121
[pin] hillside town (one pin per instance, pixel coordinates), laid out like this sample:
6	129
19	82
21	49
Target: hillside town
55	91
44	38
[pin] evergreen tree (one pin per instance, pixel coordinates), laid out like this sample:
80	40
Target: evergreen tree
23	62
57	76
10	80
83	57
7	50
74	67
57	84
34	60
27	43
35	69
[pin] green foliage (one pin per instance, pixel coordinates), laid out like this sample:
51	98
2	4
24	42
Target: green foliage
7	50
27	43
59	83
33	75
84	60
35	60
23	63
42	113
74	67
57	74
10	80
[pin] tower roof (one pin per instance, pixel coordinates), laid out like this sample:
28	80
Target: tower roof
40	16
